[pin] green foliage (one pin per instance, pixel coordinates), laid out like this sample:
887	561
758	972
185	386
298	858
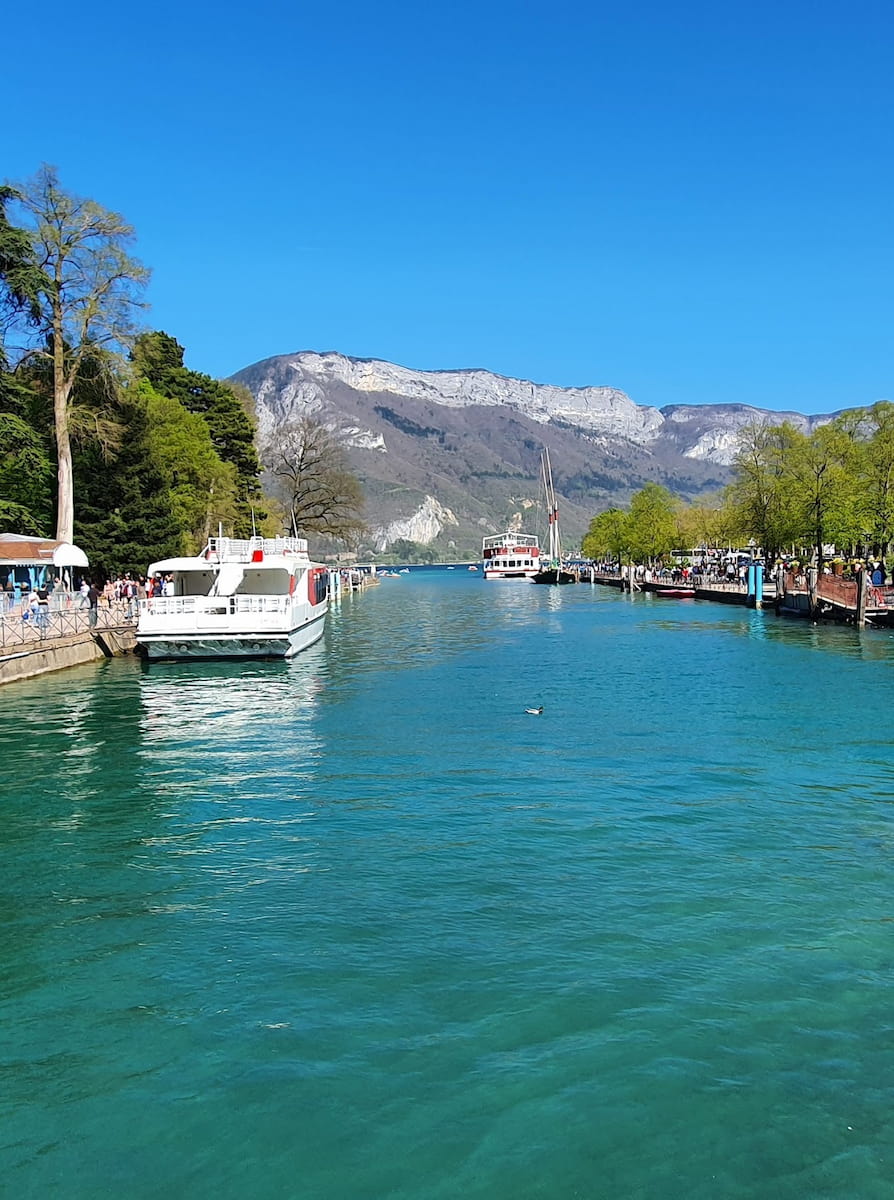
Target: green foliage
607	536
201	487
710	521
834	485
649	531
126	518
761	496
402	550
876	471
651	523
824	486
83	300
26	479
21	279
158	358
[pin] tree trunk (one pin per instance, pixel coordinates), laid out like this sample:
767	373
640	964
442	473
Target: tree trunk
65	495
62	386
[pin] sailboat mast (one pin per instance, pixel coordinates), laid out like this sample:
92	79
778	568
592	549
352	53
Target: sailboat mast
555	550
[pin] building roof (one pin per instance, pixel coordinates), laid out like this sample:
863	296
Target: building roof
20	550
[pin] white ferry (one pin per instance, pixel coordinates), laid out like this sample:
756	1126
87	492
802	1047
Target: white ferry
241	598
510	556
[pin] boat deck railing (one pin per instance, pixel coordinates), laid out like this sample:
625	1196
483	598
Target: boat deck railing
213	606
226	549
525	540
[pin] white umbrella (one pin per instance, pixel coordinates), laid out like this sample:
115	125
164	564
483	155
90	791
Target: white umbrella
67	555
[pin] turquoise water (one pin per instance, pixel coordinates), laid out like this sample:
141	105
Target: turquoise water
356	926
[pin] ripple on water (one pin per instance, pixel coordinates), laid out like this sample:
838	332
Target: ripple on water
358	921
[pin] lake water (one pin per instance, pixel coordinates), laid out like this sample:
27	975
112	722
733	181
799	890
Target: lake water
357	926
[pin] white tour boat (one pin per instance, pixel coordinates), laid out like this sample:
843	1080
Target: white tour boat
241	598
510	556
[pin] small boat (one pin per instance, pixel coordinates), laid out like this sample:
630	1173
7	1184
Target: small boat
510	556
472	568
241	598
552	570
676	593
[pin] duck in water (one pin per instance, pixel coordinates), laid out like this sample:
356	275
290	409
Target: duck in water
534	712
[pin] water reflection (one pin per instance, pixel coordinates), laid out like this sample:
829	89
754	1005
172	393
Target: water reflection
232	728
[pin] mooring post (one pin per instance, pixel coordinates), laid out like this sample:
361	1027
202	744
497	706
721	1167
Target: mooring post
862	589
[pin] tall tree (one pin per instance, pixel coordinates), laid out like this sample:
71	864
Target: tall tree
609	534
652	526
127	518
158	358
201	487
25	478
825	487
312	480
89	293
877	471
21	280
21	446
761	493
709	521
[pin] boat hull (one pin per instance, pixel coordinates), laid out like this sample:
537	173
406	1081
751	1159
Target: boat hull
172	646
554	576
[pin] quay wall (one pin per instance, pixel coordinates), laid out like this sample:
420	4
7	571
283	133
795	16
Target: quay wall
39	658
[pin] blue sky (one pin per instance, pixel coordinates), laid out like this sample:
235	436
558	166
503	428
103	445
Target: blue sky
692	202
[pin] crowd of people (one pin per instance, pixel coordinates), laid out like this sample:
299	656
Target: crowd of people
35	602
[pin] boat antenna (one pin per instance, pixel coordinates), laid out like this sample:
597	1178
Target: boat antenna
254	532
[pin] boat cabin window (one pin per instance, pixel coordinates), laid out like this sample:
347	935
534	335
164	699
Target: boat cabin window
263	583
193	583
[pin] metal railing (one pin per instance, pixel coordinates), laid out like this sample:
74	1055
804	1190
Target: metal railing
225	549
22	627
175	606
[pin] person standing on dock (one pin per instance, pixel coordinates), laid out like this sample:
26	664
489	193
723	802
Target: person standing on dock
93	594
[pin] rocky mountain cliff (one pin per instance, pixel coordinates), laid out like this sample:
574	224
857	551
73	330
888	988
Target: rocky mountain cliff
447	457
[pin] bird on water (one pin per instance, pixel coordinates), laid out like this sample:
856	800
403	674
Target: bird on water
534	712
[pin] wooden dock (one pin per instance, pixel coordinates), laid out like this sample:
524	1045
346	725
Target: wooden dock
718	591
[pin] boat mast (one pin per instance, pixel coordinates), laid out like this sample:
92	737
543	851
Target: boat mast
555	550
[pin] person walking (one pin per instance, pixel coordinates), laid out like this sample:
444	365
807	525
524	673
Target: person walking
93	594
43	609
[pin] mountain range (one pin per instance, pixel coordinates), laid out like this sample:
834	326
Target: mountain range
448	457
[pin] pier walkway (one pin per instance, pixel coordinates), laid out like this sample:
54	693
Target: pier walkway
720	591
62	637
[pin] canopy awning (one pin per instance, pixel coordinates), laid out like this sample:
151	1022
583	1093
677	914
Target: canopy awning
67	555
20	550
181	564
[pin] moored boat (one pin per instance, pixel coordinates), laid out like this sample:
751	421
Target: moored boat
677	593
241	598
552	570
510	556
